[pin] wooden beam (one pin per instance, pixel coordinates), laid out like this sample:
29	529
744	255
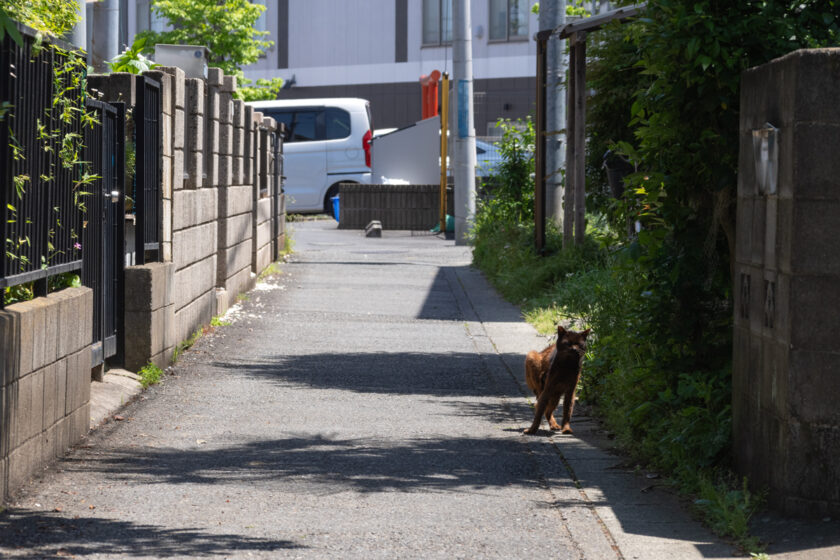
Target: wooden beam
579	54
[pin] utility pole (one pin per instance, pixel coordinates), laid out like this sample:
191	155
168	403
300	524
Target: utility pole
464	156
106	34
552	15
78	35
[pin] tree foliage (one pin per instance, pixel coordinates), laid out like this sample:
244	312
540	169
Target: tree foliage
53	17
226	27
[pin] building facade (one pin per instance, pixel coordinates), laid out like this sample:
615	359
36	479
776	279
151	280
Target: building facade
378	49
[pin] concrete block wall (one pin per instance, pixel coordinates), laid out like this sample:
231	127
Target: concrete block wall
263	193
44	382
786	361
149	315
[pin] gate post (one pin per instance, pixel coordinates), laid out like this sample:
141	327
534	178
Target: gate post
786	273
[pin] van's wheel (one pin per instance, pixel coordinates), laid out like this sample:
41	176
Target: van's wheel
328	206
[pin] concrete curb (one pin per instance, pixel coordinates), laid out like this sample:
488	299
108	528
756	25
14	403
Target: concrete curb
118	388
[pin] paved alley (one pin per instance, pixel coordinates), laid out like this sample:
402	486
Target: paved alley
368	402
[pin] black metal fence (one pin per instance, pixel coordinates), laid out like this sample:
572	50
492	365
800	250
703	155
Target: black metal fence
147	195
41	172
104	223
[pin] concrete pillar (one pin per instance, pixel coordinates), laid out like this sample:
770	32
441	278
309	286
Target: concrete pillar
106	33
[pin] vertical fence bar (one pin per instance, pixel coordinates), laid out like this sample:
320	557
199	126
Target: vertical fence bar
140	175
539	170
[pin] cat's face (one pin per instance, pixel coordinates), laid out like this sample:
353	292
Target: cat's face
575	341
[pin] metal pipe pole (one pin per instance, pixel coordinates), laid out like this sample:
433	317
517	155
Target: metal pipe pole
553	15
444	146
540	148
571	147
464	164
78	35
106	33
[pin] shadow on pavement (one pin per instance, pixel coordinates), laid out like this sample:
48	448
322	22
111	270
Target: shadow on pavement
450	375
322	465
34	534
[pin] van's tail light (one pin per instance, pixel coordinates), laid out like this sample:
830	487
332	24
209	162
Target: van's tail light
366	140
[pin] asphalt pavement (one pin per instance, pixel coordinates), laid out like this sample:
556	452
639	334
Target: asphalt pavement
366	402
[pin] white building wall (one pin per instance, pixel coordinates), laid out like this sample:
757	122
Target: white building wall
353	42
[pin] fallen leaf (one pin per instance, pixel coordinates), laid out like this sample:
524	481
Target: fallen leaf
91	506
118	418
200	441
57	509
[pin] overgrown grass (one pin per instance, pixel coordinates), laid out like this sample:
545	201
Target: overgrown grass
218	321
668	409
150	375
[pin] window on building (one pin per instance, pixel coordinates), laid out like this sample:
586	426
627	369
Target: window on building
508	20
437	22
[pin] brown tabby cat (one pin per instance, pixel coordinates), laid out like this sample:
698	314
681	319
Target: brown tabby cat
554	372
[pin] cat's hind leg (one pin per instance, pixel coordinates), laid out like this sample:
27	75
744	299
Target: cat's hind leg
549	412
542	405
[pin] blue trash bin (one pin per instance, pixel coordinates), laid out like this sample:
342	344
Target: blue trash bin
336	209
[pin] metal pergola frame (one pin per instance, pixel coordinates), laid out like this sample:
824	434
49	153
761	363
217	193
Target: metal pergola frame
574	204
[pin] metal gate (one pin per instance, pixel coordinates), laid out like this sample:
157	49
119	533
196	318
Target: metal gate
147	196
103	226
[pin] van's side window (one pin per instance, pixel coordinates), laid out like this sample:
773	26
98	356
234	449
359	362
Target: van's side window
338	123
306	126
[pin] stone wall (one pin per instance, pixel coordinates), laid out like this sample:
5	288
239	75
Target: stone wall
45	371
786	363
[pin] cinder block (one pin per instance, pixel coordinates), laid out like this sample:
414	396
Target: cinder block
236	200
144	336
5	491
166	251
9	336
814	382
145	286
195	134
167	213
178	168
166	177
225	139
23	463
194	315
269	123
226	109
211	104
238	142
193	281
195	207
215	77
238	171
117	86
213	137
195	170
817	81
229	84
225	170
815	176
80	423
814	300
238	113
60	372
50	384
194	244
263	210
179	129
235	229
212	169
816	224
166	135
234	259
178	84
195	96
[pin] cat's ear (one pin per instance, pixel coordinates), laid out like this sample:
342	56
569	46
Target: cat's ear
560	330
585	333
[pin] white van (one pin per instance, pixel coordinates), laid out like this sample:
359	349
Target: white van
327	143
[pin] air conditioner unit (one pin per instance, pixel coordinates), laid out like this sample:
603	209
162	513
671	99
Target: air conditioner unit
192	59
